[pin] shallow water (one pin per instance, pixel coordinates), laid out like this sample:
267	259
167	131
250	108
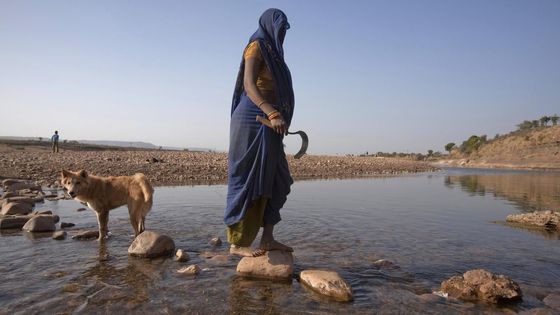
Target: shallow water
429	226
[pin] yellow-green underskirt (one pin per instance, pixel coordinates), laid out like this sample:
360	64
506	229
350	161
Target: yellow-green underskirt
244	232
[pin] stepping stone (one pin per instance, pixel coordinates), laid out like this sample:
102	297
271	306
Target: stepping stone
275	264
328	283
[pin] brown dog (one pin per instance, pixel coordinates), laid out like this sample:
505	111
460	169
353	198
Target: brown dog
106	193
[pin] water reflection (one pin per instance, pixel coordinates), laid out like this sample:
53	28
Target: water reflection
527	191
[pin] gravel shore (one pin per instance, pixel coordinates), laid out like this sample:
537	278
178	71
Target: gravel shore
187	168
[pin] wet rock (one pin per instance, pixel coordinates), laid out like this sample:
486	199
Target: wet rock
70	287
216	241
59	235
8	194
545	219
81	209
219	260
430	298
64	225
13	208
328	283
13	222
190	270
40	223
481	285
553	300
150	244
181	256
20	185
45	212
86	235
274	264
539	311
22	199
386	264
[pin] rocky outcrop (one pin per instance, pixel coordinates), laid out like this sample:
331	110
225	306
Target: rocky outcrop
544	219
275	264
328	283
149	244
482	285
40	223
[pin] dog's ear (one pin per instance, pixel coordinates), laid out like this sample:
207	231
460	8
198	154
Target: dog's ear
83	173
64	173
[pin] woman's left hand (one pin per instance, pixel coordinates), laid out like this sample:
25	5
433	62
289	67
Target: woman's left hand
279	125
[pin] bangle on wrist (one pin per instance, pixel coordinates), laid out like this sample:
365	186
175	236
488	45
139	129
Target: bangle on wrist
261	103
275	115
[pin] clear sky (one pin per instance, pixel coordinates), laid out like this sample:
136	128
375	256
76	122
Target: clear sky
368	75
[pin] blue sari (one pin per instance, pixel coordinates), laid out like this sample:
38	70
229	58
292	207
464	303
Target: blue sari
257	165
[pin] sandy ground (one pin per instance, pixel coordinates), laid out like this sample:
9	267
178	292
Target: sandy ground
185	168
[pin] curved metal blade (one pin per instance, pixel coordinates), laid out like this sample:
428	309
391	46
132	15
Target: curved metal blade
304	143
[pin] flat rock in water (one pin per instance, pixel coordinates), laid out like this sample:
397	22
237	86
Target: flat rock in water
149	244
12	208
482	285
190	270
64	225
86	235
59	235
545	219
22	199
13	222
328	283
40	223
275	264
81	209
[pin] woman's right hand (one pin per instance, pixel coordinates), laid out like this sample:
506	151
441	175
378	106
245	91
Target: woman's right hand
279	125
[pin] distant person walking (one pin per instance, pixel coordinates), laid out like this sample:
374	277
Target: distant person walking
54	140
258	176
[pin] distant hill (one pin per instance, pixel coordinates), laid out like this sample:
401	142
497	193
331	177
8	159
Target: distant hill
105	143
533	148
122	144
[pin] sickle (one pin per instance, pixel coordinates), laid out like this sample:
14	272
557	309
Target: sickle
302	134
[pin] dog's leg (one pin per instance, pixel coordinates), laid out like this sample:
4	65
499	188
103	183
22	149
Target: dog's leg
103	221
134	213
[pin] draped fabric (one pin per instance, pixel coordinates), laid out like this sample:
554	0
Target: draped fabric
257	165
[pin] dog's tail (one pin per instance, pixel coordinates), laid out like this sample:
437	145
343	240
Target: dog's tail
147	189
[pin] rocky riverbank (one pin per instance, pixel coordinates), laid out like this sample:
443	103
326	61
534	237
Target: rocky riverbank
186	168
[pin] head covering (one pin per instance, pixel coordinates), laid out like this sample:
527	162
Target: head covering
272	23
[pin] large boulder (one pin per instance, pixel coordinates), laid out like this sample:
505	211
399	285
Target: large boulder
545	219
275	264
149	244
328	283
40	223
16	208
482	285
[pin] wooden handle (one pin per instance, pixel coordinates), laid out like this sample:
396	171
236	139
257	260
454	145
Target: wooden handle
264	121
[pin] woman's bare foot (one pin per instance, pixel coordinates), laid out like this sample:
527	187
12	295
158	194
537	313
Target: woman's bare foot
241	251
267	245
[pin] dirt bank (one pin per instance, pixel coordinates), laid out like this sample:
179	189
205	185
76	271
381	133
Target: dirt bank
185	168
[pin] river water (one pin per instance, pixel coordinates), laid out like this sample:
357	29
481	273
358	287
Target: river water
424	228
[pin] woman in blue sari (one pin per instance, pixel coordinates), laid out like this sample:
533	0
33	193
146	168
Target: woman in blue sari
258	176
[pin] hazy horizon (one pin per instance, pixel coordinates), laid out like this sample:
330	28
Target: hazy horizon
402	76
